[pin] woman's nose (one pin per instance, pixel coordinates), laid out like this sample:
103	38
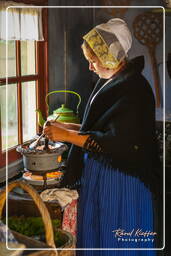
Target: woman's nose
91	67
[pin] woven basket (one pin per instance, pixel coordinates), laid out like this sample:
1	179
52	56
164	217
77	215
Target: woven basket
5	252
49	234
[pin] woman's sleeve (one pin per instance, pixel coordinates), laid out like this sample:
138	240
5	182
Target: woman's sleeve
108	142
91	144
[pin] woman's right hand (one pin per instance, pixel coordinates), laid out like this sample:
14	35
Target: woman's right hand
55	131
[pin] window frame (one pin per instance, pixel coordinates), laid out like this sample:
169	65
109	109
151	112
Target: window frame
41	79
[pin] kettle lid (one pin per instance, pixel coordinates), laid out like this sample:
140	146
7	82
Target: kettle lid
62	110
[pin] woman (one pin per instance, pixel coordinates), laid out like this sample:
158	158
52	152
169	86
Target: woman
114	156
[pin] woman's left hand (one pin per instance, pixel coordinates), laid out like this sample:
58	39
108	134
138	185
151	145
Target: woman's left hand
55	132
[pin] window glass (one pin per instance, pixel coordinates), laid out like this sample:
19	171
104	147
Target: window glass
28	110
11	109
11	61
27	57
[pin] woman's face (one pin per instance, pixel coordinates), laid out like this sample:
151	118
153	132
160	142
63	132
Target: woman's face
96	66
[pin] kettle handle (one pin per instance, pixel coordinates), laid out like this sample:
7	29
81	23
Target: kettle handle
68	91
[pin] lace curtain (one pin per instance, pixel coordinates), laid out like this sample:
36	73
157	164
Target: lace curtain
20	22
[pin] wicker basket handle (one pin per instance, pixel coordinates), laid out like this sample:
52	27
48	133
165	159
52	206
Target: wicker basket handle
40	205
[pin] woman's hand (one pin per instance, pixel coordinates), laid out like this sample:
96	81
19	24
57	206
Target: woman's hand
56	131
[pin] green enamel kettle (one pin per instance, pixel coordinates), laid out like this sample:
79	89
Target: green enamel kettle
62	114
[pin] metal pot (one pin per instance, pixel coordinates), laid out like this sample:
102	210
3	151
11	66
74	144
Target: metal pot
42	160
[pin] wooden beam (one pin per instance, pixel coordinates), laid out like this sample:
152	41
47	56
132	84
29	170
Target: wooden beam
12	80
19	92
33	2
42	67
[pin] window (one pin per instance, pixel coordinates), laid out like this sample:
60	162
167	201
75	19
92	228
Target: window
27	86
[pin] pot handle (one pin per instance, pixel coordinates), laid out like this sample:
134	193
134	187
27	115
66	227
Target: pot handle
40	205
68	91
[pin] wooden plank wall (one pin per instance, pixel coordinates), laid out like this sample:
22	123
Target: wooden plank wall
77	22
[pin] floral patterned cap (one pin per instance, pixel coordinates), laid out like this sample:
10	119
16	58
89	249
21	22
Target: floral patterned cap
110	42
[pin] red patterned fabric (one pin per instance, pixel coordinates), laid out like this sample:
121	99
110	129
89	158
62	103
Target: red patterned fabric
69	222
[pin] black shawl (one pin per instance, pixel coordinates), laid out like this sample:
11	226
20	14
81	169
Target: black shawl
121	119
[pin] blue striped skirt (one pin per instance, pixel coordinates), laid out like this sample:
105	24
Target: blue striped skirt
114	211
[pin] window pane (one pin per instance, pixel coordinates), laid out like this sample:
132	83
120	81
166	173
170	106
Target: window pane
12	115
11	63
27	57
28	108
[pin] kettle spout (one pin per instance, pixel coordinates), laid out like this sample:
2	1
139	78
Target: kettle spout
41	120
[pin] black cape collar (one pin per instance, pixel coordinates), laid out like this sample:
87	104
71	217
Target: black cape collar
134	66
